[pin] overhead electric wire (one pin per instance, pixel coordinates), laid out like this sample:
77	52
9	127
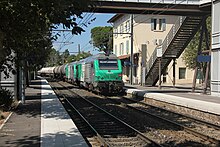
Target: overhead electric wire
81	23
88	43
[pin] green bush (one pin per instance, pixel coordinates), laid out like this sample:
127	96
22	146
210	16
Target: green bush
6	98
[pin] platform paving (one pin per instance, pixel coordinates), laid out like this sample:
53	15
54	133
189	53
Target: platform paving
41	121
57	128
23	126
180	95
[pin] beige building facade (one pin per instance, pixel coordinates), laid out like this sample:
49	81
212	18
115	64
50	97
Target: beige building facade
148	31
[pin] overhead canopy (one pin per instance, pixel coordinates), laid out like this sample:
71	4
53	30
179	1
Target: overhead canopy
123	57
127	56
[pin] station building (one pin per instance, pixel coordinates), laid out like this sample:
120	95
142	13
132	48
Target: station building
149	31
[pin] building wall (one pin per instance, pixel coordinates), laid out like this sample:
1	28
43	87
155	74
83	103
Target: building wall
143	34
215	55
180	68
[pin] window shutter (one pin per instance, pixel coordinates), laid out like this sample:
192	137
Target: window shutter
152	24
164	24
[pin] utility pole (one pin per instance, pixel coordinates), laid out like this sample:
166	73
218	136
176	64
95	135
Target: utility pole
174	72
143	62
159	84
131	58
78	48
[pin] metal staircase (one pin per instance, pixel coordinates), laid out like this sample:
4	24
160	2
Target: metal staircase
173	45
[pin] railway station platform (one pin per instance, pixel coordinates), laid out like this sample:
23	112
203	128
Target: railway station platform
179	95
40	121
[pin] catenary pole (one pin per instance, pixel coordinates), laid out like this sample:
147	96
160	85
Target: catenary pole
131	58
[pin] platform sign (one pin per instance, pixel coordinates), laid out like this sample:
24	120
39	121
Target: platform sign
159	52
203	58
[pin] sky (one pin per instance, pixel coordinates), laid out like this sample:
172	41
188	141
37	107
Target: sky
84	39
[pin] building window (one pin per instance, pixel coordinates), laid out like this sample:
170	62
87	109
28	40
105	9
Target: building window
127	47
115	31
182	73
121	48
115	51
154	24
121	29
127	26
158	24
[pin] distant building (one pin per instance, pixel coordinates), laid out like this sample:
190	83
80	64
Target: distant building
9	83
148	31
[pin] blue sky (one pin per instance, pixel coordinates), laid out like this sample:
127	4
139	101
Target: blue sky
85	37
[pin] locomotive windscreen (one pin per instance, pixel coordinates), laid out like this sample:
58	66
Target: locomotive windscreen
108	64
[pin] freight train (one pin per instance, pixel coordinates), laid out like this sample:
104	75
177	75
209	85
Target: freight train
101	73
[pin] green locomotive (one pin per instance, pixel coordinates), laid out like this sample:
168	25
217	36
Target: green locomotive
101	73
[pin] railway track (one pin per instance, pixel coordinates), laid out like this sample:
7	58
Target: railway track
205	116
200	128
133	105
108	129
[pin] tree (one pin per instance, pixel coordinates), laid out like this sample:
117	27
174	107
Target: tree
101	37
54	58
71	58
190	54
82	55
25	28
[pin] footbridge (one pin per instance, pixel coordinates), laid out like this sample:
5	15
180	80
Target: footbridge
166	7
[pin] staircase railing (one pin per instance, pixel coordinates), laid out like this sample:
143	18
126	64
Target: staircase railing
165	43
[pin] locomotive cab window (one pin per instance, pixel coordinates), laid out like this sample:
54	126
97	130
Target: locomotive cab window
108	64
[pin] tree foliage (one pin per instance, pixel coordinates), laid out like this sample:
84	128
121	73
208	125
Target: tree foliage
101	37
190	54
55	58
82	55
25	27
